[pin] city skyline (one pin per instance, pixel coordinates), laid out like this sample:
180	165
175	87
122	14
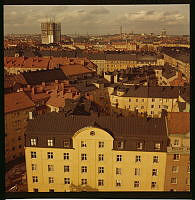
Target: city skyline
100	19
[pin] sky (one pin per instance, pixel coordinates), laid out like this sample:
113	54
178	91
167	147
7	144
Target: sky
174	18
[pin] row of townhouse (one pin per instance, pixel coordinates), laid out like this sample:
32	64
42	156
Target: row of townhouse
88	153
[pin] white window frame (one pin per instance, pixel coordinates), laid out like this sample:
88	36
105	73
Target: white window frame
34	167
140	145
173	182
153	185
50	155
66	156
157	146
66	168
50	142
155	159
100	182
83	156
101	157
118	183
33	154
118	158
137	158
118	171
136	184
101	144
176	157
83	144
154	172
50	168
35	179
66	181
137	171
83	169
175	169
83	181
100	170
33	142
50	180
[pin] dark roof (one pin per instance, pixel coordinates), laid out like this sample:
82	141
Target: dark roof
168	73
37	77
57	123
151	92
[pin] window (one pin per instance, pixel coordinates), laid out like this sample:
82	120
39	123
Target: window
140	145
136	100
188	170
66	168
152	106
175	169
33	142
137	171
174	180
142	100
118	170
159	106
152	112
176	142
51	190
118	158
33	154
136	184
50	143
83	169
138	159
66	180
34	167
100	182
66	143
176	157
66	156
100	170
101	144
155	159
118	183
187	181
35	190
51	180
49	155
120	144
154	172
153	185
129	100
83	181
101	157
50	168
83	144
142	107
83	156
35	179
157	146
153	100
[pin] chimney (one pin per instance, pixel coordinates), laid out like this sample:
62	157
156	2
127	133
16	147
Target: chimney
33	91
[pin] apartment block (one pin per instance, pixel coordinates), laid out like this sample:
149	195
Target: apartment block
88	153
16	110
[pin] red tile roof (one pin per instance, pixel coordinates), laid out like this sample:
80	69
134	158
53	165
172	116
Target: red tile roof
178	122
16	101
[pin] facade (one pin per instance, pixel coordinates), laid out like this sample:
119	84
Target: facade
17	108
50	32
80	153
143	99
177	176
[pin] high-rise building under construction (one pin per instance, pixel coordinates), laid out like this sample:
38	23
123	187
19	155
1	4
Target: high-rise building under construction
50	32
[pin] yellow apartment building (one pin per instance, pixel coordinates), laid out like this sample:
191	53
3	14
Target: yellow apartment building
91	153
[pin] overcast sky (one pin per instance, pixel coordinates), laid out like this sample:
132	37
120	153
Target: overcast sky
100	19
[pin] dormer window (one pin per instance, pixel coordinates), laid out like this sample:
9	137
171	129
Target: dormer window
66	143
50	143
139	145
33	142
120	144
157	146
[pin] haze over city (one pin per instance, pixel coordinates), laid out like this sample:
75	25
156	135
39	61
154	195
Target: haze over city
100	19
